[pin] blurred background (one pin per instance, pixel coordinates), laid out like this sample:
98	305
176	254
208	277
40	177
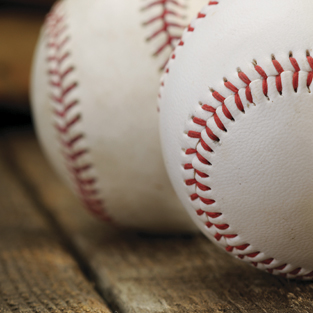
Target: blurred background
20	22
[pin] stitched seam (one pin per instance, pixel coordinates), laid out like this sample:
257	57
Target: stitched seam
198	121
214	227
181	43
166	25
67	115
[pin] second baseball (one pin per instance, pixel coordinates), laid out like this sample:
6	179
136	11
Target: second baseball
94	95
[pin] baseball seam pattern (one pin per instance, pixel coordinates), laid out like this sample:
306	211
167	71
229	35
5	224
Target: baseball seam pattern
241	251
216	115
189	29
67	116
166	25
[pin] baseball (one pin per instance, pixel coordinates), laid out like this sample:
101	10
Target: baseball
236	109
94	96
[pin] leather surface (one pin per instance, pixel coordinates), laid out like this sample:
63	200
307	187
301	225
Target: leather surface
261	170
117	79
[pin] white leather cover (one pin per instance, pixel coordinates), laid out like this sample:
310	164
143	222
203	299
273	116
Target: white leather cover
236	109
101	47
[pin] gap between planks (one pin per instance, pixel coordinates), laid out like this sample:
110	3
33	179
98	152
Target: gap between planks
36	273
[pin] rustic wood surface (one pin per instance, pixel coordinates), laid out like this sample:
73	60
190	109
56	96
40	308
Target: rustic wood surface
140	273
37	273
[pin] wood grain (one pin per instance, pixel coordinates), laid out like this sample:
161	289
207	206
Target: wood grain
37	274
140	273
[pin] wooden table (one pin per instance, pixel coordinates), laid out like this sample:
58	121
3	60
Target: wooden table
54	257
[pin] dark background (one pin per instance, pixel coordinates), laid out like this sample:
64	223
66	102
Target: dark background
20	22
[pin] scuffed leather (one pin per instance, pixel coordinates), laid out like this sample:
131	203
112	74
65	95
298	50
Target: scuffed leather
261	172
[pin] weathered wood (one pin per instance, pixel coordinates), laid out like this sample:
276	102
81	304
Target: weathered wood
140	273
37	274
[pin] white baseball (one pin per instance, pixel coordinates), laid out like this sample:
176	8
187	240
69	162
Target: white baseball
236	110
94	94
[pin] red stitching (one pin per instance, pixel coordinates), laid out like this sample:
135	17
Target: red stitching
181	42
197	135
166	25
66	118
214	117
65	110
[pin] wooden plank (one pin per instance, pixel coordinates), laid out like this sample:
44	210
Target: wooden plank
36	273
140	273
